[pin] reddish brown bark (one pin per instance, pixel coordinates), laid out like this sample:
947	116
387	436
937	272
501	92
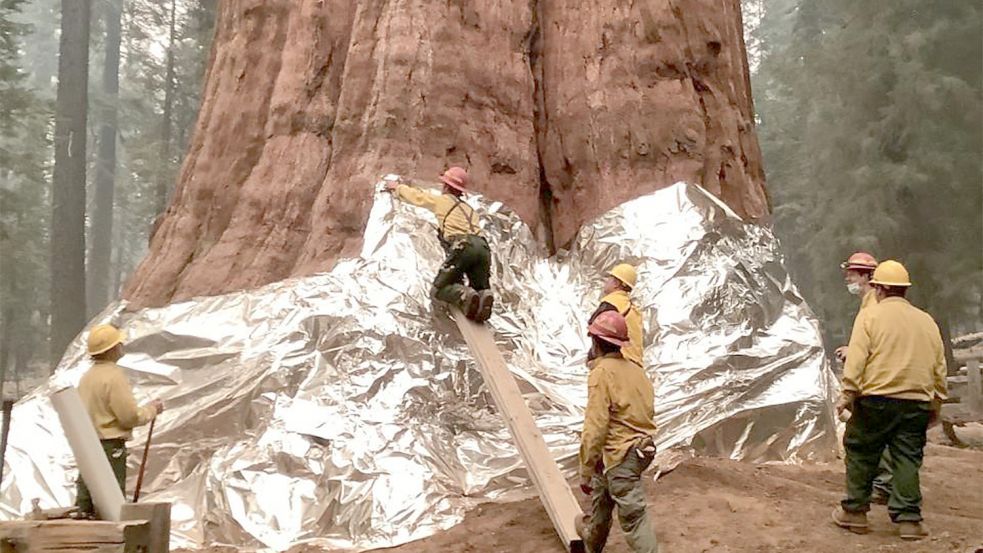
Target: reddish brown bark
562	110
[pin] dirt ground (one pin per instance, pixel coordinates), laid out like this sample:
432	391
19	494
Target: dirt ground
720	506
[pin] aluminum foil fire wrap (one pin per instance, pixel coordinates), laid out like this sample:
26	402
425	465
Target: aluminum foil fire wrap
344	408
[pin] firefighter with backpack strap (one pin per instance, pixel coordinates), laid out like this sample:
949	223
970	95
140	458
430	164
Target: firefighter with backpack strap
467	251
618	285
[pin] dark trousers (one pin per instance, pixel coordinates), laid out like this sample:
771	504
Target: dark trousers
900	426
466	256
116	453
882	482
621	487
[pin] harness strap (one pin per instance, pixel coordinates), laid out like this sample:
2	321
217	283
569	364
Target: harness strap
471	225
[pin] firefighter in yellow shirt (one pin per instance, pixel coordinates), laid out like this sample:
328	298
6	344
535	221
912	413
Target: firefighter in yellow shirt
858	269
617	442
467	251
894	384
108	398
617	297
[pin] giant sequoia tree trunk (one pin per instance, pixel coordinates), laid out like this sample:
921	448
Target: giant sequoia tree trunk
560	109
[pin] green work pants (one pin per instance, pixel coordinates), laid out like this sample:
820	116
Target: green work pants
900	426
116	453
622	487
882	482
466	256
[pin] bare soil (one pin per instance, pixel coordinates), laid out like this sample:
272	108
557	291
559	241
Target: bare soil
722	506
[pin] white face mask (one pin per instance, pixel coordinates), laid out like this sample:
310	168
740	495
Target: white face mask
855	288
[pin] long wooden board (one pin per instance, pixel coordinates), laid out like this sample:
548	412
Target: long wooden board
553	489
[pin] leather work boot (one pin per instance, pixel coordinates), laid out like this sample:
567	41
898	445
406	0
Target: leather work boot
854	522
580	525
469	303
485	303
911	530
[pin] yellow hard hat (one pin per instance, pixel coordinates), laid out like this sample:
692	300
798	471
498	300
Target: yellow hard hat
625	273
103	338
891	273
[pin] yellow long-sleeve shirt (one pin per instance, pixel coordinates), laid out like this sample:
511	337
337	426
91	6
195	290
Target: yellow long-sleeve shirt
636	333
895	351
108	398
454	216
869	299
620	412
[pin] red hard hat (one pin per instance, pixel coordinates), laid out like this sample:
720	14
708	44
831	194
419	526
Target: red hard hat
456	178
860	261
611	327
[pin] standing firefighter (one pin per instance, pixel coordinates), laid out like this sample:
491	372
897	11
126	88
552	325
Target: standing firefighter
616	444
857	272
467	251
617	297
108	398
894	384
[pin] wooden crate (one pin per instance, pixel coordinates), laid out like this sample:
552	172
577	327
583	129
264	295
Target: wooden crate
965	403
966	386
145	528
72	536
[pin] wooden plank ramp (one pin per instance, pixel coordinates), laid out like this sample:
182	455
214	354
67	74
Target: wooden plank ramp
554	492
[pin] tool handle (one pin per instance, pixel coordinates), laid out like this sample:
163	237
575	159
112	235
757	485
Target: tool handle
143	463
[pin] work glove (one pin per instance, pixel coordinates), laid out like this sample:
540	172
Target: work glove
585	486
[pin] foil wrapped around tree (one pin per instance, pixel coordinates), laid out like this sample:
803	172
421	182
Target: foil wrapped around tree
344	409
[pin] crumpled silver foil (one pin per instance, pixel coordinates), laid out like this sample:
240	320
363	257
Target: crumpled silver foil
344	409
